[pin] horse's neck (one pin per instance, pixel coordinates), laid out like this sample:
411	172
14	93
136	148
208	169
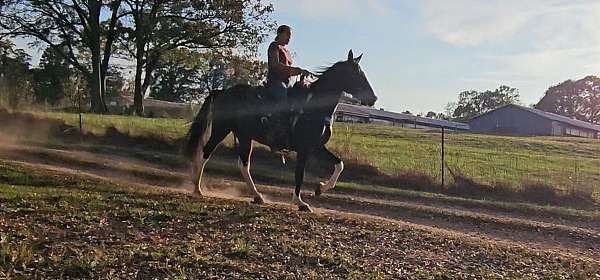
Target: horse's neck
324	97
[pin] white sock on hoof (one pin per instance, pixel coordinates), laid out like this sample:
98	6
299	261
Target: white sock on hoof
245	170
296	199
330	184
199	169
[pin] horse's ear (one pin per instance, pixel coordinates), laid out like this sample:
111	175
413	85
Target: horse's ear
350	55
357	60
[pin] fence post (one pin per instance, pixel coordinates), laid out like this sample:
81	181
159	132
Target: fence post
442	156
79	105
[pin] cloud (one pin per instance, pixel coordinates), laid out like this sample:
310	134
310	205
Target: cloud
331	9
551	63
525	43
468	23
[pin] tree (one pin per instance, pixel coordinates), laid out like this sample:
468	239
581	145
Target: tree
472	103
160	26
52	81
431	114
186	75
14	74
179	76
69	27
578	99
244	70
115	82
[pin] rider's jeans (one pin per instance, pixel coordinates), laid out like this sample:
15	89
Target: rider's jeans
278	94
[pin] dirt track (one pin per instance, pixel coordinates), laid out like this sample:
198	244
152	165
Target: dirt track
580	239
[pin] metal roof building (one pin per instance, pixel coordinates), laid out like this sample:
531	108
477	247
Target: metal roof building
518	120
355	113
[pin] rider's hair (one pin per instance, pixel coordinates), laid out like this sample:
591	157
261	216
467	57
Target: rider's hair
283	28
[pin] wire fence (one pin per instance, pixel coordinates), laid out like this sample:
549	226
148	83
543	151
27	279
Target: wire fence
563	163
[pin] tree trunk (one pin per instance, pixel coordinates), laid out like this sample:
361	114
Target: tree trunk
96	80
150	67
138	95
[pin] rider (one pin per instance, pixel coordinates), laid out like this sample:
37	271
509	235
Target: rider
278	81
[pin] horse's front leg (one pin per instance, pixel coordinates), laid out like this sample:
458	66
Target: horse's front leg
330	158
300	166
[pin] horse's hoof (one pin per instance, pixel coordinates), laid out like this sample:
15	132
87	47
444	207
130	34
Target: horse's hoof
258	200
318	190
197	193
304	208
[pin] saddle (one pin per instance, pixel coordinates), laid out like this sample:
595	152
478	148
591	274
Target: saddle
279	120
297	96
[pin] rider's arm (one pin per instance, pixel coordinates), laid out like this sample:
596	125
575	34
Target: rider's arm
276	65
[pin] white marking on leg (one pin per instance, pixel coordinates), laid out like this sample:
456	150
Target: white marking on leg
198	169
297	200
245	170
330	184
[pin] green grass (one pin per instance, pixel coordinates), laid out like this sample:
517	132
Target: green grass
562	162
566	163
135	126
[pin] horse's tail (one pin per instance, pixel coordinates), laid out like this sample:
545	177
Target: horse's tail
201	126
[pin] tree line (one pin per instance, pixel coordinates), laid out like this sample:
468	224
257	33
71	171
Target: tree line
181	75
576	99
88	34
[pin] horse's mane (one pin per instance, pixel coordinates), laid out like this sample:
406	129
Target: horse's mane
324	70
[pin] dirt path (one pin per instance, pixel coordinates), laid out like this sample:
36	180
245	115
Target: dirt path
581	239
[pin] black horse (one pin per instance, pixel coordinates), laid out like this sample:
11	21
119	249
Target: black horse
238	110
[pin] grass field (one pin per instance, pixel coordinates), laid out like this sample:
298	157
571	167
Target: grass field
564	163
109	205
56	226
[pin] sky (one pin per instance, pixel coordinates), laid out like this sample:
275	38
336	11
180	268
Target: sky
418	55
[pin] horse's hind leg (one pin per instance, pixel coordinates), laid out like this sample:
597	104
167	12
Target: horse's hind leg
329	157
203	155
245	152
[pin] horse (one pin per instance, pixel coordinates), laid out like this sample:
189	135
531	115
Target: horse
238	110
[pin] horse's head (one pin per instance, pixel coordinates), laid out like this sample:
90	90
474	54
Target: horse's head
354	81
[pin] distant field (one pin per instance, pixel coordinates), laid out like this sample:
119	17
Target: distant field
562	162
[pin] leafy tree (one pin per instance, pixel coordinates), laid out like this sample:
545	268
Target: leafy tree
70	27
578	99
115	82
160	26
472	103
14	74
179	76
244	70
52	81
431	114
185	75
